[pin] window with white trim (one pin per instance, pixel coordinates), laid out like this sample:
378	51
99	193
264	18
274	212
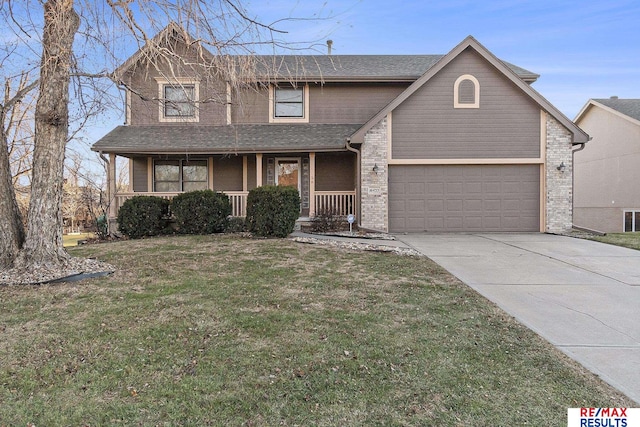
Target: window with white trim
289	104
178	100
170	176
631	221
466	92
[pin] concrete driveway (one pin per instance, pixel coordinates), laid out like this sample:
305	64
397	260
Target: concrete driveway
582	296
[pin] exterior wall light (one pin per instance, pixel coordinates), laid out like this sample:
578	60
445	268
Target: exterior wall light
562	167
376	169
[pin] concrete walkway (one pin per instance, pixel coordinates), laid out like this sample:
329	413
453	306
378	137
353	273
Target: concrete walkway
582	296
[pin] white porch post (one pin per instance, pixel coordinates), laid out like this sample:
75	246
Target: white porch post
111	182
245	173
259	170
210	173
312	185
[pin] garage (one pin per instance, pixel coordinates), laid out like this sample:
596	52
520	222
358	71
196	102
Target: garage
463	198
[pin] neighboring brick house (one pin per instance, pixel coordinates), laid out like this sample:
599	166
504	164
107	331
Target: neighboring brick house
407	143
608	169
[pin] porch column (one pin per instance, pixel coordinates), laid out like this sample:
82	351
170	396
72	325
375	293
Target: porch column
245	173
210	173
259	170
111	182
312	185
149	174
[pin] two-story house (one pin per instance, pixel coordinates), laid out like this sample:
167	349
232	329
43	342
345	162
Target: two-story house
439	143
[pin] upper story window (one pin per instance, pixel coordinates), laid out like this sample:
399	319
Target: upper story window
179	100
466	92
289	104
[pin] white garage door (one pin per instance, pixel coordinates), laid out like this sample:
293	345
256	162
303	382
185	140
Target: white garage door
464	198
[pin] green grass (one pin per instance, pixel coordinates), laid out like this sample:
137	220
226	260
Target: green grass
72	239
628	240
216	330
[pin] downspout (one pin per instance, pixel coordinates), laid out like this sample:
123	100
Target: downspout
573	175
359	180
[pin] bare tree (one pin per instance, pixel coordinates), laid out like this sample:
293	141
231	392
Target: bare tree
223	49
13	149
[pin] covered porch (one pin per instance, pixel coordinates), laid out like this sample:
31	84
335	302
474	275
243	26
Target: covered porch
326	181
166	160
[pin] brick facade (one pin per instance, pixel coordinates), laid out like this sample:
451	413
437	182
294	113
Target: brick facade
559	184
374	189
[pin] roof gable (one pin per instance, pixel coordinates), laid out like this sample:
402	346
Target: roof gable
579	136
170	34
628	109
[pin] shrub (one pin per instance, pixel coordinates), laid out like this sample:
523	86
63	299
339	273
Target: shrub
272	211
327	219
142	216
235	225
200	212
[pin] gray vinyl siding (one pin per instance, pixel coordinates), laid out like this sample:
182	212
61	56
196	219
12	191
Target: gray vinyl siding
145	108
251	106
140	178
335	171
427	126
251	172
334	103
227	173
349	103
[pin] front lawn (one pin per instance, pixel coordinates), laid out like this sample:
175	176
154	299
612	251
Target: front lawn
628	240
218	330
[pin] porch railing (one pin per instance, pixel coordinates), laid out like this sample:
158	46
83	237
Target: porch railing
339	202
238	200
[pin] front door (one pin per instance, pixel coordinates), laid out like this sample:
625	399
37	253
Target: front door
288	172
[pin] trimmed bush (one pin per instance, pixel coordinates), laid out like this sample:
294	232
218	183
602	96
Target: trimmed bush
235	225
200	212
142	216
272	211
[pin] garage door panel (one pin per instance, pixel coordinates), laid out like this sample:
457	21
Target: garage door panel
442	198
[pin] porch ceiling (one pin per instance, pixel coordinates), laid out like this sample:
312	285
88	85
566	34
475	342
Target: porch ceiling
225	139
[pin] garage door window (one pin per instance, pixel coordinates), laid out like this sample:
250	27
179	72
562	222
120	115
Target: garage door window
631	221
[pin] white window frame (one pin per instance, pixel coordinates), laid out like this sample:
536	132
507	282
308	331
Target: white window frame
305	106
178	81
476	95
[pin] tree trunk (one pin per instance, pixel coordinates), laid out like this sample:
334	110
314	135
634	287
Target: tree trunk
11	228
43	244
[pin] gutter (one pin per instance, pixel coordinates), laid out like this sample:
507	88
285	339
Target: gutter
358	174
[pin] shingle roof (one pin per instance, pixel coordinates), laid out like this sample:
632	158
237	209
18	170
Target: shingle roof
225	139
319	67
356	67
628	107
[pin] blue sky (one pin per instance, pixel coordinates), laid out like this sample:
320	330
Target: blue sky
581	49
